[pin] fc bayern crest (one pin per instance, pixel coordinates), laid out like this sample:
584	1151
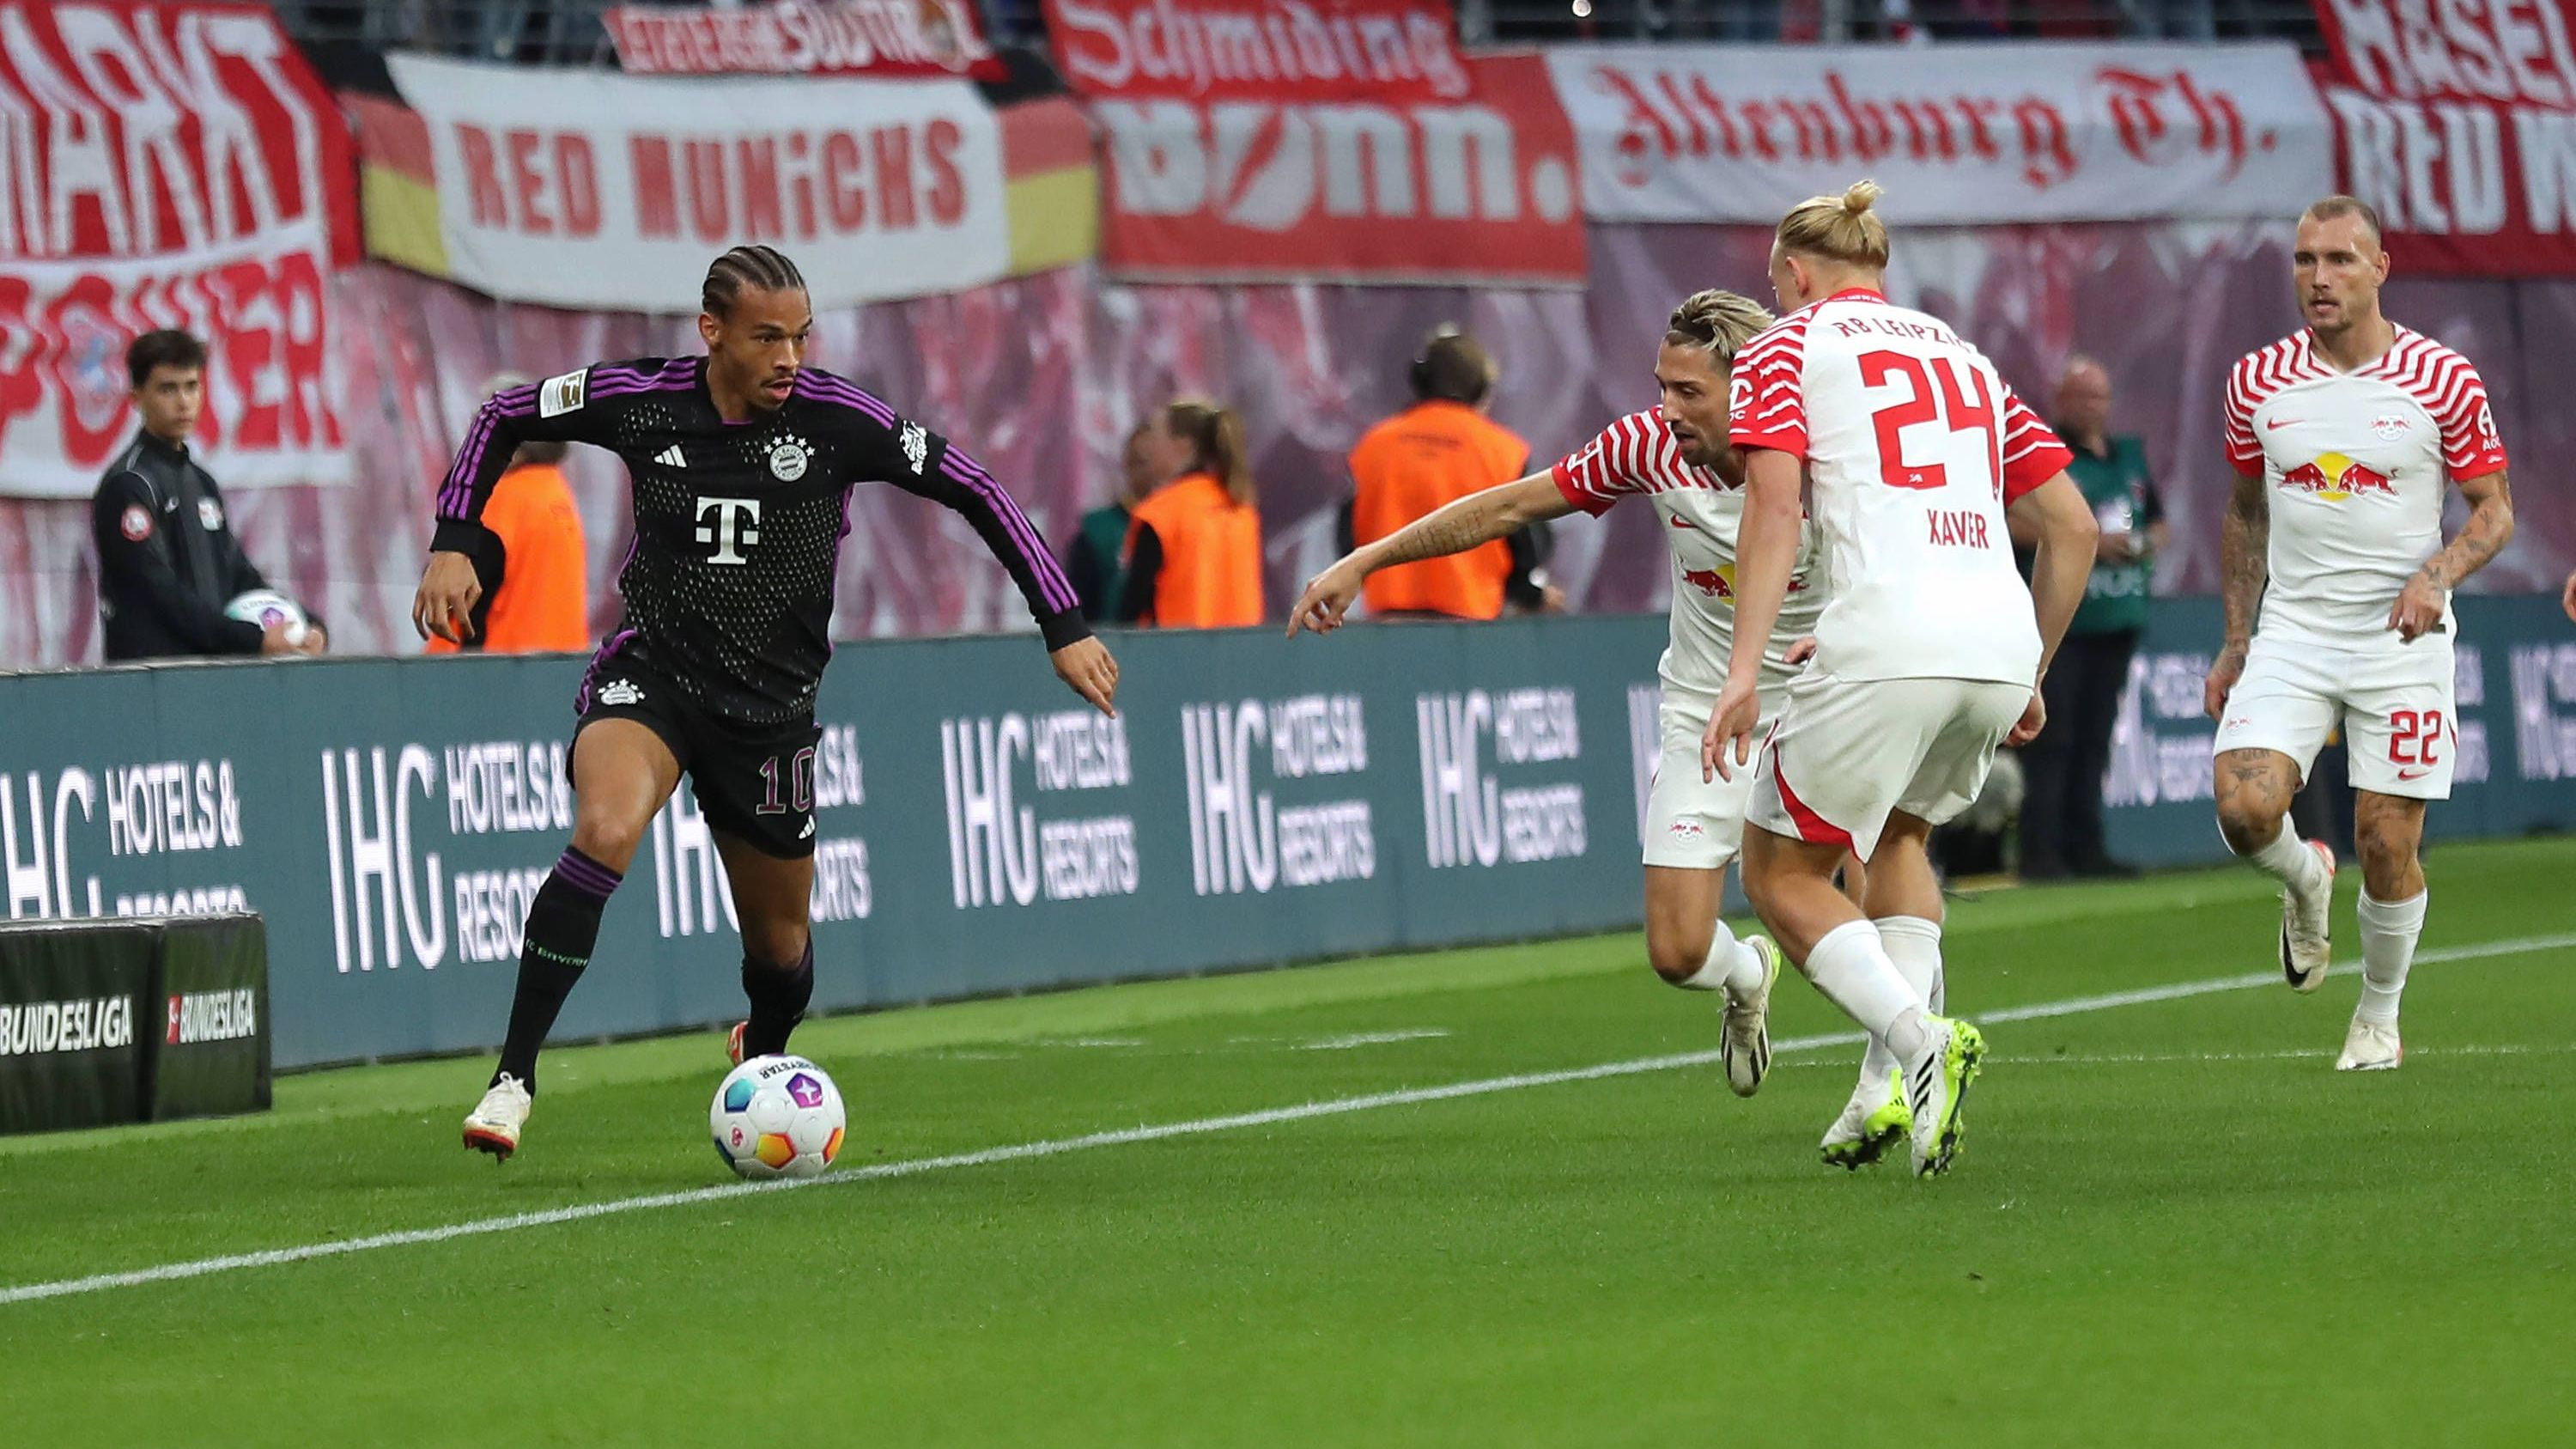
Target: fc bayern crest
2388	426
788	457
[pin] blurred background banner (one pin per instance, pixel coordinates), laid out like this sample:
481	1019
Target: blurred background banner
816	37
2462	134
608	192
2028	132
1042	376
166	166
1256	141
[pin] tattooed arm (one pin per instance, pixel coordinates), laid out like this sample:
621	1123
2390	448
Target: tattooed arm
2244	547
1478	518
2489	528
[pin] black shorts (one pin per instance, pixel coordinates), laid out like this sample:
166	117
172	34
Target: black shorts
755	782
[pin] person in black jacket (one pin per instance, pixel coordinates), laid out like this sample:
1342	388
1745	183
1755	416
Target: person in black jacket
167	558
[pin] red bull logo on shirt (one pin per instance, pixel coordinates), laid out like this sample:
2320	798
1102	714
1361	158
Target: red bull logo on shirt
1719	582
2337	477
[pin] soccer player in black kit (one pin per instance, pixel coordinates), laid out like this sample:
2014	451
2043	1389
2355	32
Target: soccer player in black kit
742	465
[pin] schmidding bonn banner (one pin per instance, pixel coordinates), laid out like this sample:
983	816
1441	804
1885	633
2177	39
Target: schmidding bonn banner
1963	134
1344	140
609	192
1257	801
169	165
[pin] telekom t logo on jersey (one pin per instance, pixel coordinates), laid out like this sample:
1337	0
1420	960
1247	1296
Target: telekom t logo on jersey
734	524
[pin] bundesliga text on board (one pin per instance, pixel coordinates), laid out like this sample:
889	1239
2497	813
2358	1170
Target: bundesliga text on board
163	808
1243	840
211	1016
1469	816
998	849
41	1028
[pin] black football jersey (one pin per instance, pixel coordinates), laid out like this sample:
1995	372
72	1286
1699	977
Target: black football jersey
738	526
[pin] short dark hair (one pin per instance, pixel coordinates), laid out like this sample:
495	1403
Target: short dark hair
2335	206
764	269
168	347
1453	367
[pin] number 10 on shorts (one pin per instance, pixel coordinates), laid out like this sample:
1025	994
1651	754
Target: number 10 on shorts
799	770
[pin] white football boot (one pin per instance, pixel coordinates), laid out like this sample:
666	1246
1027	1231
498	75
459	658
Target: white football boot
493	1126
1937	1088
2306	921
1872	1123
1744	1043
2371	1046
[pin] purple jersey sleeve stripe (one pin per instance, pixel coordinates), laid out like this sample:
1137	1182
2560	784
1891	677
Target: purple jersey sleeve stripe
833	390
458	493
1052	585
664	382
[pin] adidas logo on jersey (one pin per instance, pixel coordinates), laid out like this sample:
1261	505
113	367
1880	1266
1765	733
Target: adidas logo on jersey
621	692
808	832
671	457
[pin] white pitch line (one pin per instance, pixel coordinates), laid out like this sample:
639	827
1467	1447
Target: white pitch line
1157	1132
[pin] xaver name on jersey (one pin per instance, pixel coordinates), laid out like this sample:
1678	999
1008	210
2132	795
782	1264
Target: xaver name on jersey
738	527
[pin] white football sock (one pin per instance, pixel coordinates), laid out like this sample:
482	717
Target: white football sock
2289	860
2388	932
1914	945
1851	968
1735	965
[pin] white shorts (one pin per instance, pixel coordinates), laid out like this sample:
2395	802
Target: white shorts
1692	823
2394	707
1847	752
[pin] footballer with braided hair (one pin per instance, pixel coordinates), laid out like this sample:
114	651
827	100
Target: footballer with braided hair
742	462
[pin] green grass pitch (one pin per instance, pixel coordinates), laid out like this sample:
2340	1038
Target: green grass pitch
2172	1222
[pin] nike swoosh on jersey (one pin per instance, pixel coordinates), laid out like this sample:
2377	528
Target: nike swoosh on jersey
2271	425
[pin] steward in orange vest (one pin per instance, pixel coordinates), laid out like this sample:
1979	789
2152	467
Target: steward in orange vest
1194	546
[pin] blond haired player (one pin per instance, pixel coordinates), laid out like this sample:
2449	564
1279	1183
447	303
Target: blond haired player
1676	458
2342	436
1929	652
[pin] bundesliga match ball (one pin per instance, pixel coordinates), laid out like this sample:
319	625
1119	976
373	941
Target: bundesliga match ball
265	607
777	1117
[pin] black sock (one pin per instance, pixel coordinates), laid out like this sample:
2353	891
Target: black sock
563	926
778	995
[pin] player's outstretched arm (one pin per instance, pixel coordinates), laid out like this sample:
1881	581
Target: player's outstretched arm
2244	548
2067	536
557	410
1766	551
1477	519
2489	529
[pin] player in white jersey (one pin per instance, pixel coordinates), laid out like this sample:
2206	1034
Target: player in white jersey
1928	655
2343	436
1677	459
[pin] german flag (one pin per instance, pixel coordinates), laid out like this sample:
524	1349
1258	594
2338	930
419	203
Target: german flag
397	184
1053	185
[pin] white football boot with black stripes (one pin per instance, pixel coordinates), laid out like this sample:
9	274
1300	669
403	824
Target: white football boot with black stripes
1744	1039
1936	1087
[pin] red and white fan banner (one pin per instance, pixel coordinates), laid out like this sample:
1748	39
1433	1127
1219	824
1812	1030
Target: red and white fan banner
611	192
806	37
166	166
2039	131
1337	140
2461	132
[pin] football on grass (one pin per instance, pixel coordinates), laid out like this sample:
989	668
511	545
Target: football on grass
777	1117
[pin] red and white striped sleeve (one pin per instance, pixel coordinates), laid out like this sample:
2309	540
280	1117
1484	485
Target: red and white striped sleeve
2244	453
1620	461
2457	398
2033	453
1767	396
